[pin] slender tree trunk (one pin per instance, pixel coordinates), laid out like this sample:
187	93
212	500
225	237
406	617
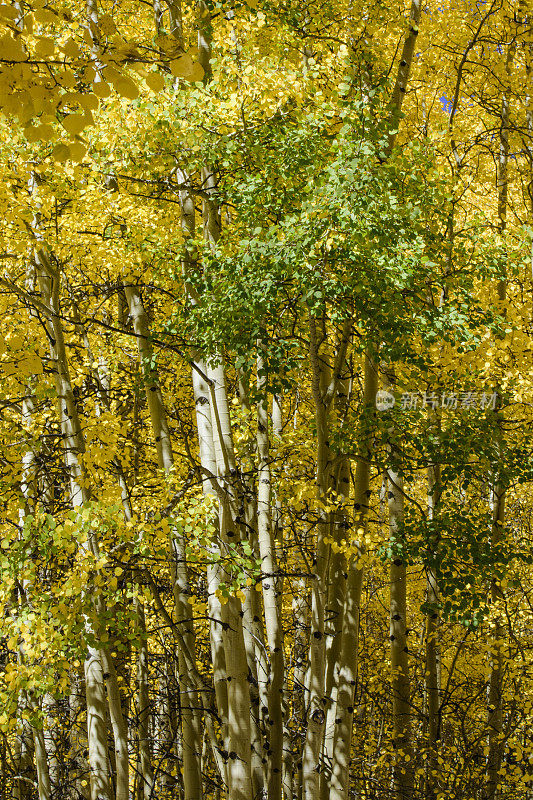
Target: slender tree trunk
494	699
230	510
146	775
315	702
190	722
347	670
495	690
274	630
208	464
74	446
336	593
432	684
50	734
300	616
78	742
239	732
97	727
41	764
28	484
404	69
401	697
118	724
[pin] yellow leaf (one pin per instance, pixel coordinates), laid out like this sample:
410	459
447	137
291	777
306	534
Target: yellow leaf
11	50
45	132
60	153
43	16
155	81
101	89
197	73
8	11
31	133
182	67
31	366
70	48
126	87
67	79
89	74
77	151
45	46
75	123
89	102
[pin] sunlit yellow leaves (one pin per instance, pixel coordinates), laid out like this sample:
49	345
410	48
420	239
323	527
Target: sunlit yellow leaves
77	151
126	87
38	132
8	11
106	25
61	153
66	79
101	89
155	81
98	236
11	49
75	123
70	48
89	102
44	16
44	47
185	67
30	365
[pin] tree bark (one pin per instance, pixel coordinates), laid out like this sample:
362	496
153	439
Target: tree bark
348	655
190	722
401	693
274	630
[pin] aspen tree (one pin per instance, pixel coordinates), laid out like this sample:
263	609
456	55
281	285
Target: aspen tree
315	701
48	279
336	586
498	492
347	671
399	652
180	583
432	654
270	585
49	284
348	654
145	771
28	491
